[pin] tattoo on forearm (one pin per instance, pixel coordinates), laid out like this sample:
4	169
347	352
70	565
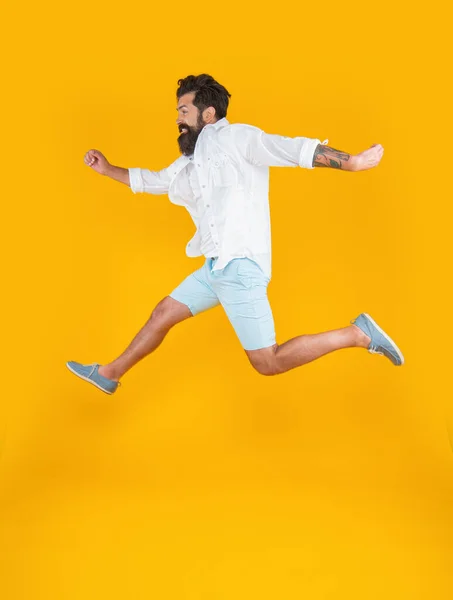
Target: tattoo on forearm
329	157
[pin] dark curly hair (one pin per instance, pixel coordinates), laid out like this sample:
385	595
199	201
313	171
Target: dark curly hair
208	92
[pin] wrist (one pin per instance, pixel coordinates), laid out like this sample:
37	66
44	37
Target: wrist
108	170
355	163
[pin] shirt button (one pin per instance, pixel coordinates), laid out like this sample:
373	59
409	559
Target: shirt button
212	224
208	205
203	186
199	165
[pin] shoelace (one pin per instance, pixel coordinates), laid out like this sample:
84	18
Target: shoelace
374	350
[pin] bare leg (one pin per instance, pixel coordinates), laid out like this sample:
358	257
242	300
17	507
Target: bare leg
166	314
305	348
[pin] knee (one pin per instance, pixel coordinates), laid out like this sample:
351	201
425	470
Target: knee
265	365
161	315
266	369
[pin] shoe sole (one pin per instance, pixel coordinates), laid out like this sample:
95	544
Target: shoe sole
89	381
388	338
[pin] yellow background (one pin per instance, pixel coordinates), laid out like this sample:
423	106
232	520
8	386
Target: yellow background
200	479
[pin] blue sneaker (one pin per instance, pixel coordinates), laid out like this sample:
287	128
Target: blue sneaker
90	374
381	343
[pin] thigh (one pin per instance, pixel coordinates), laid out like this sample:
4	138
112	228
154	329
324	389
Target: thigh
195	292
242	291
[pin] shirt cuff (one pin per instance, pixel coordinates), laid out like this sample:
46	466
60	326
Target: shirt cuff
135	180
308	152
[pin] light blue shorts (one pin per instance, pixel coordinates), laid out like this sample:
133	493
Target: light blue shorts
241	288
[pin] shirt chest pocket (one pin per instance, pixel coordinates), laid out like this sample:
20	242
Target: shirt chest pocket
221	170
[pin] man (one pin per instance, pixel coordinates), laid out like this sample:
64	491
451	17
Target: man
222	179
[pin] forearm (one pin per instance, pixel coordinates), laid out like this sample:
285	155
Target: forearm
325	156
118	174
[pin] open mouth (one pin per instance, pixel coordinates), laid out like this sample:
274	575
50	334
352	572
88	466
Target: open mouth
182	130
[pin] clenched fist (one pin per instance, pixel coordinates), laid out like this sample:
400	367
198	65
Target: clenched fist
97	161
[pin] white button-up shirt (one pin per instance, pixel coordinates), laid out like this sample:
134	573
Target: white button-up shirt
232	163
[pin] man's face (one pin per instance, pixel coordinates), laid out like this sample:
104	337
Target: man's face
190	123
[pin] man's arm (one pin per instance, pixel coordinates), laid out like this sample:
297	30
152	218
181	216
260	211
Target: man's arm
118	174
325	156
139	180
269	150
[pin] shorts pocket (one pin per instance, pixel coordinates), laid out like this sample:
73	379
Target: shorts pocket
250	273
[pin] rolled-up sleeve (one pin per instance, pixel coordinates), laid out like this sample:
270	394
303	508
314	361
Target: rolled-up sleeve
150	182
271	150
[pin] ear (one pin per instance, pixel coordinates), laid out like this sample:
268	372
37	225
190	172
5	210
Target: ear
209	114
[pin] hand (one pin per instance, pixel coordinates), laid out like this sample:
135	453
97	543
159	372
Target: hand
369	158
97	161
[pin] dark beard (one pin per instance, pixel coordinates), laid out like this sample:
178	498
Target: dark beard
187	141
